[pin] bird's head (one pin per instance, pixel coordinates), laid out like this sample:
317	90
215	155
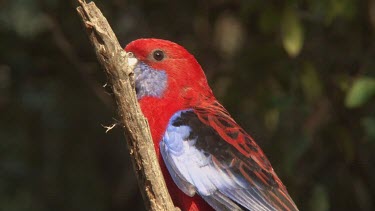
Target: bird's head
166	70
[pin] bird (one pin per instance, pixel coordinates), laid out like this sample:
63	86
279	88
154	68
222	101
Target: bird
208	161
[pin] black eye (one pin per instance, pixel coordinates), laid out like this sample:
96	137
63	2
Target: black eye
158	55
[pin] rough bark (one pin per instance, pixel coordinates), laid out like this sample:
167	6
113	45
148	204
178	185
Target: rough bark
137	133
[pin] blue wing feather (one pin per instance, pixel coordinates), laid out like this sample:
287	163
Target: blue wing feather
199	161
175	173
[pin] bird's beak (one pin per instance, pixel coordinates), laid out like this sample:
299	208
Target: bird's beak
132	61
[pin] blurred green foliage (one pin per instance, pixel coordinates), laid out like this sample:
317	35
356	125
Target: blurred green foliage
297	75
291	32
362	90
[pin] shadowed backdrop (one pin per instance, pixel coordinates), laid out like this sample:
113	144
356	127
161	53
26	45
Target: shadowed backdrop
299	76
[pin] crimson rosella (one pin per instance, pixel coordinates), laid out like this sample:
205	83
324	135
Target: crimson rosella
208	160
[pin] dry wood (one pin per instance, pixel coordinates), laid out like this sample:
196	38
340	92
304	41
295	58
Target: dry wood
120	75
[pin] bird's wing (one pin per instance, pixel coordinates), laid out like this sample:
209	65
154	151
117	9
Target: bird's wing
207	153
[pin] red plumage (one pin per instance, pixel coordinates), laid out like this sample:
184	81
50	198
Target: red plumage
159	111
187	88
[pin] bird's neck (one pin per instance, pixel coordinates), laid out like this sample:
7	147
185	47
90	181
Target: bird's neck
158	112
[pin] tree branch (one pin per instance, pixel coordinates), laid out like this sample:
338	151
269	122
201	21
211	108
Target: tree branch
120	75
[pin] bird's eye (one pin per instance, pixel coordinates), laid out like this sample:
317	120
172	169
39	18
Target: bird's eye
158	55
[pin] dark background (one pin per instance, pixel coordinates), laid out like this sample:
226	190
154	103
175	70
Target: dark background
297	75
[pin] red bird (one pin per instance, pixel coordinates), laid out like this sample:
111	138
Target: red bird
208	160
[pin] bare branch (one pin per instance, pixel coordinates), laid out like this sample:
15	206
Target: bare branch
120	75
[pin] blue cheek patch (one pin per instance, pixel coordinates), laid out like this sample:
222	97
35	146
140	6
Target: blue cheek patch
149	82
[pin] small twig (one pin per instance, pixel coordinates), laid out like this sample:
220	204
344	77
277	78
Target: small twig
108	128
120	75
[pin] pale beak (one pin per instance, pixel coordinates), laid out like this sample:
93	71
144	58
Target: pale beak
132	61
